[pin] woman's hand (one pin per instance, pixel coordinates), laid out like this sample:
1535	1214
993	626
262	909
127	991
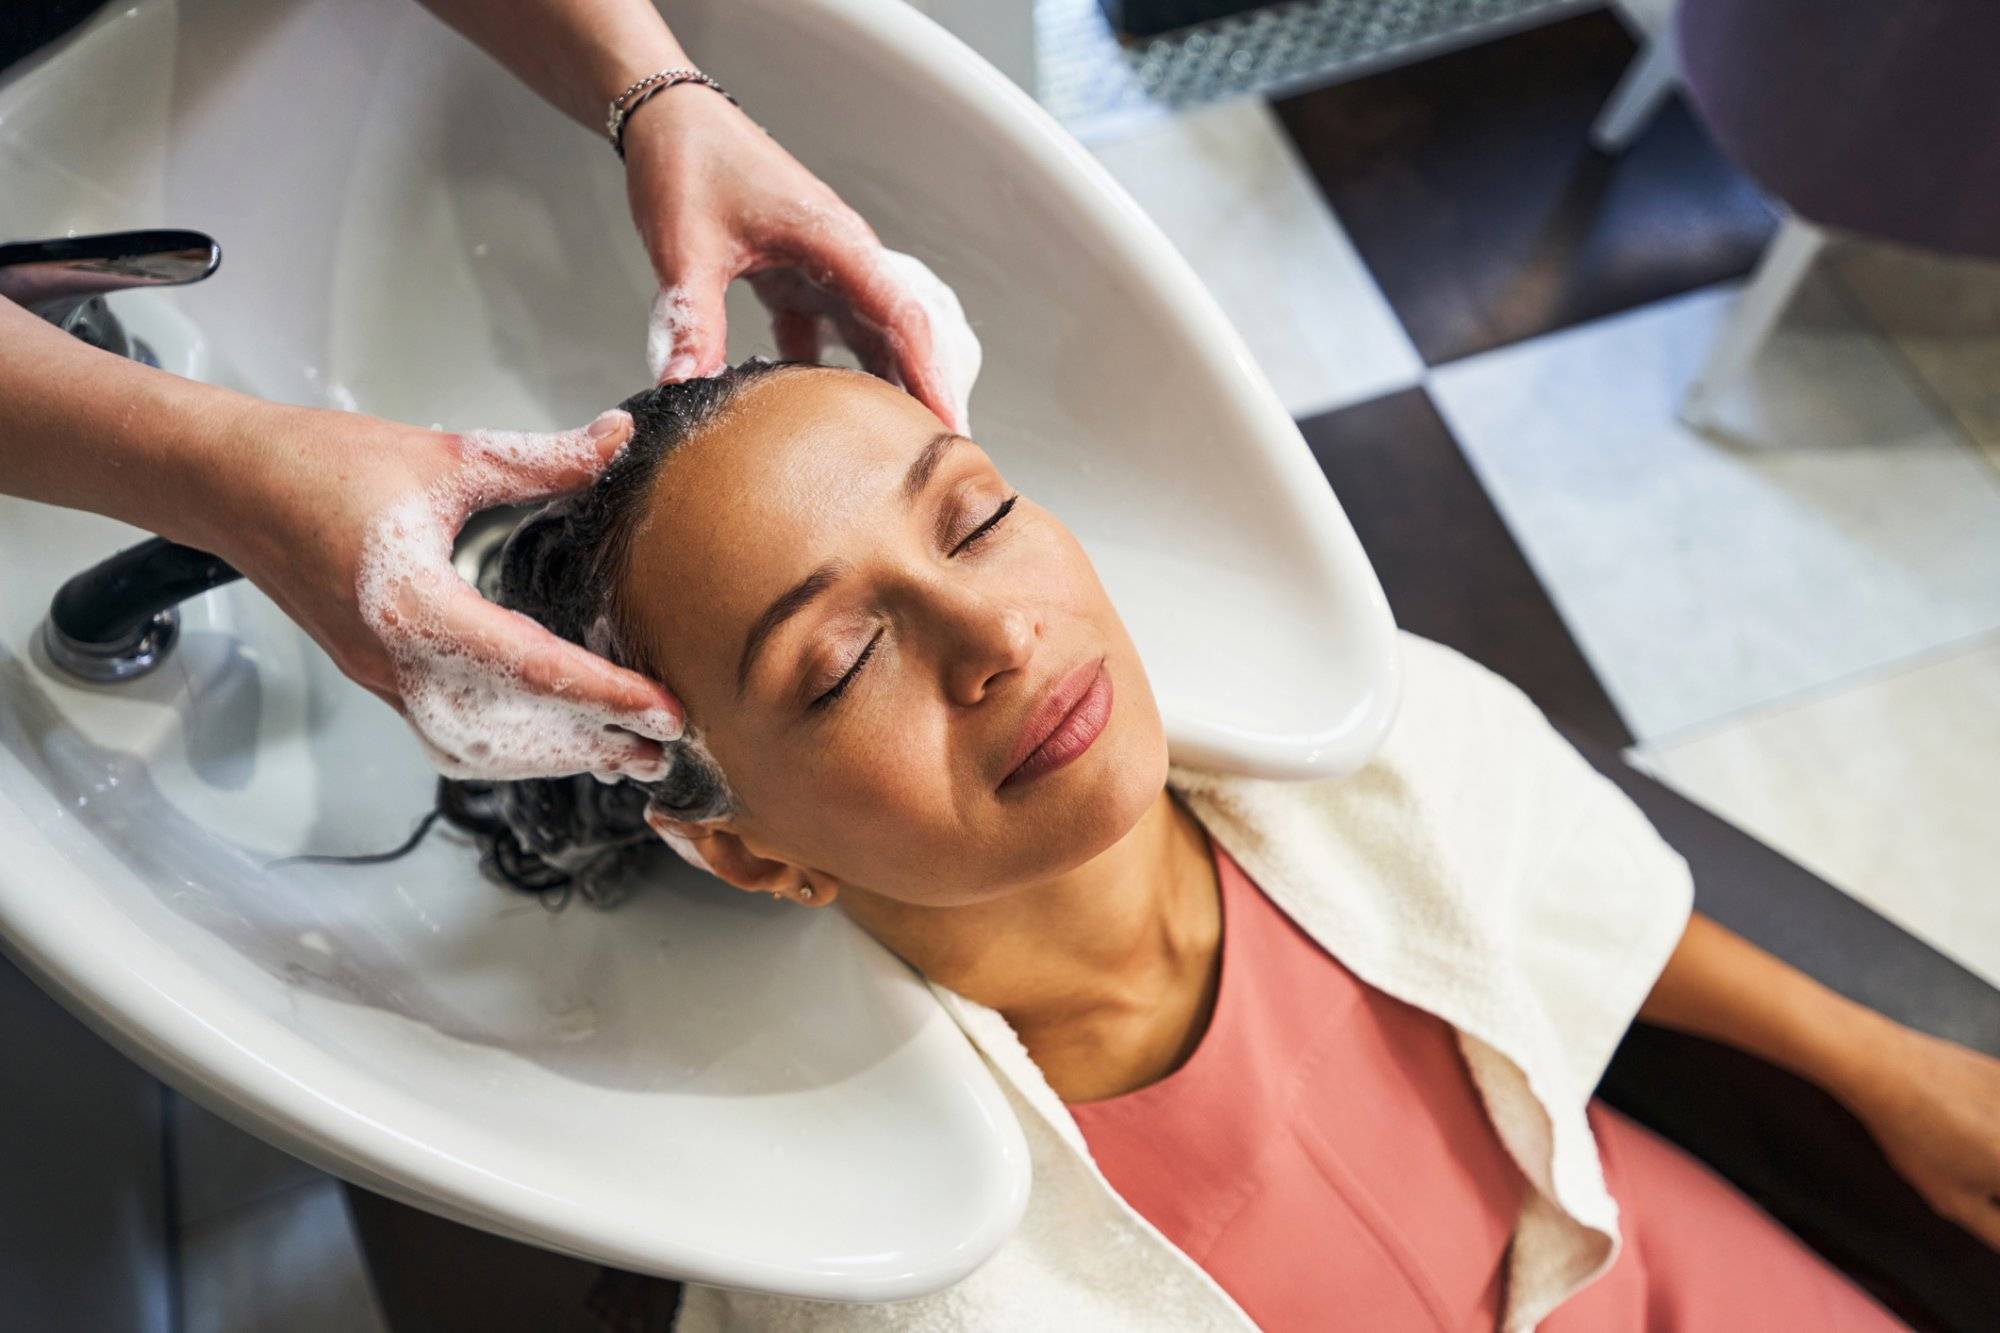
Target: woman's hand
1932	1105
1934	1108
347	523
716	198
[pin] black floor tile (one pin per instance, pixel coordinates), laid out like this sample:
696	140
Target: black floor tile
1446	560
1469	186
26	29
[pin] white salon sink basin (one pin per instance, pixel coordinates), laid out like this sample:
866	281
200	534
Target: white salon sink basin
697	1083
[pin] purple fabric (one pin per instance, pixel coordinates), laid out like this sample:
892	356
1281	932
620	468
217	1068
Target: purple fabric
1878	116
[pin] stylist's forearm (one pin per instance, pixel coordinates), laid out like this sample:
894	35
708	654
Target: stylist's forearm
84	428
1721	986
578	54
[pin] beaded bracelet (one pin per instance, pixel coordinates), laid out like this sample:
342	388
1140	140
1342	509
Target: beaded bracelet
621	108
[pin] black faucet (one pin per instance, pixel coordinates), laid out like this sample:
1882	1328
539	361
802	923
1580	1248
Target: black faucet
120	618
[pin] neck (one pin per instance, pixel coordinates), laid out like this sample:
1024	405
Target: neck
1105	972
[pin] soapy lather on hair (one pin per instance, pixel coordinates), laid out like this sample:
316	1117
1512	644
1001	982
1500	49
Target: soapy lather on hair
479	710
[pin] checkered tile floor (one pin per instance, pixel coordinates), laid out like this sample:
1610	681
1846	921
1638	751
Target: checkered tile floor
1484	328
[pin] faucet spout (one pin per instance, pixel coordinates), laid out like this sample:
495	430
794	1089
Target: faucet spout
64	279
52	276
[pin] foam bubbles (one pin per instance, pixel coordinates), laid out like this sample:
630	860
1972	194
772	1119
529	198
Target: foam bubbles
955	350
458	667
669	327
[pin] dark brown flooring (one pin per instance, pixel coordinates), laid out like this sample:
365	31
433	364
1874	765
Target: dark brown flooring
1470	188
1449	566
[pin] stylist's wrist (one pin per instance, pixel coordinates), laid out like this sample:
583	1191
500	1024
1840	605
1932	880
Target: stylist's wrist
623	68
279	474
649	106
674	114
219	443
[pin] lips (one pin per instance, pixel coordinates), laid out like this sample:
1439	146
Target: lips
1052	712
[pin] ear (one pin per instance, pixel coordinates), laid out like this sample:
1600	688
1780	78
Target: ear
724	855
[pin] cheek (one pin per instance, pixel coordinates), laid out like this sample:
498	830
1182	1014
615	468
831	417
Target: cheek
866	802
1064	572
884	804
896	794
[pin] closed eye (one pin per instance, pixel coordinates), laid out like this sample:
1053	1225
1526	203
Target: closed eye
977	533
972	539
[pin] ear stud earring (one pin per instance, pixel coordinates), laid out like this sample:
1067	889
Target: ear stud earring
805	893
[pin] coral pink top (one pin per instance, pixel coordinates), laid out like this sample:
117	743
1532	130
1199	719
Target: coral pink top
1324	1153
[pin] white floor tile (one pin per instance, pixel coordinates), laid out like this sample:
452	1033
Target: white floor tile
289	1262
1227	187
218	1166
1886	788
1701	579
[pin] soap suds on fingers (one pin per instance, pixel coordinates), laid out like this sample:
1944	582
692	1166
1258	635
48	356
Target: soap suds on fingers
463	692
668	328
955	350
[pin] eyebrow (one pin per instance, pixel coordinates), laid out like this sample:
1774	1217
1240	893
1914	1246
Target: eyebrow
808	589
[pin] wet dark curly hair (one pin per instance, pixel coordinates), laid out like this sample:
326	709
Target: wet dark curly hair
561	567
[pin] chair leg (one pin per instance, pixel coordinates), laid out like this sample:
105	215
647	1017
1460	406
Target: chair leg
1757	311
1647	81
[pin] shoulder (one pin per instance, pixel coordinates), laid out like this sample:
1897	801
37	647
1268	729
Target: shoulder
1452	701
1471	777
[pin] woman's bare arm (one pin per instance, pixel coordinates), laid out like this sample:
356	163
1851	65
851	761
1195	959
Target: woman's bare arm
1719	985
88	429
1932	1105
578	54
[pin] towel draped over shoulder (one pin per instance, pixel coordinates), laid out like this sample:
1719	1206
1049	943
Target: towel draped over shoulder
1478	868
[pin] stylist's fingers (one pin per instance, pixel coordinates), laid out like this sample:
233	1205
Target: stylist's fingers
549	666
870	345
854	263
518	466
797	335
688	334
508	699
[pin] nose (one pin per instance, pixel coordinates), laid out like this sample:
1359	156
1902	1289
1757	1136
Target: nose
983	636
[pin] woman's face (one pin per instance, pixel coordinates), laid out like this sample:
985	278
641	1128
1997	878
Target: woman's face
893	783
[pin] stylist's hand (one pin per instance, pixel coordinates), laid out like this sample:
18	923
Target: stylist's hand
715	198
347	522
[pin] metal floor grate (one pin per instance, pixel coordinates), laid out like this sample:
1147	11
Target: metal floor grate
1088	78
